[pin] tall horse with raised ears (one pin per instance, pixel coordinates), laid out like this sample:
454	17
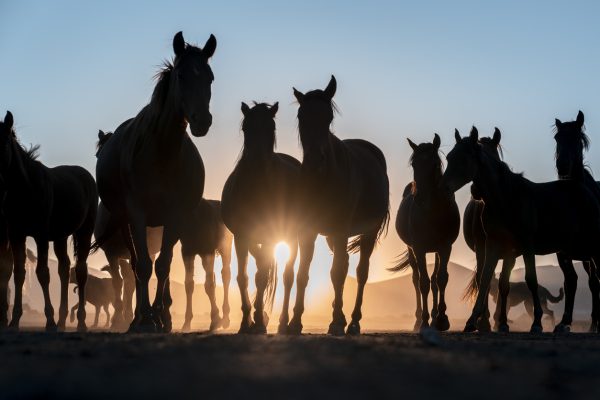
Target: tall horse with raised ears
428	221
150	172
344	193
49	205
532	218
259	206
571	141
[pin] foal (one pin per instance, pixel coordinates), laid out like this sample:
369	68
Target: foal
428	221
48	204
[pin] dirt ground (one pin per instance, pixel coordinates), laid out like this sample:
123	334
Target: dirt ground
390	365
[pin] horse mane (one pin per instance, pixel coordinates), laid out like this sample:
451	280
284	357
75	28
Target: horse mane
490	141
585	139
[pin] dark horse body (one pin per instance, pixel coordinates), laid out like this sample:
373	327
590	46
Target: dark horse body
571	141
259	206
151	174
428	221
48	204
344	193
532	218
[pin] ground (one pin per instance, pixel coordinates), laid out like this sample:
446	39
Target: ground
389	365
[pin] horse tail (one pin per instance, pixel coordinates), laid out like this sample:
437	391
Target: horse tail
75	289
271	286
556	299
111	229
403	262
472	288
354	244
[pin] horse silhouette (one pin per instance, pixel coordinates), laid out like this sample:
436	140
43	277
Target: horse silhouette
428	221
344	193
259	205
203	234
98	292
150	172
6	263
48	204
533	218
571	141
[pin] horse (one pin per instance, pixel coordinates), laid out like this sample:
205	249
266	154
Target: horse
571	141
48	204
533	218
150	173
344	193
204	234
425	205
259	206
98	292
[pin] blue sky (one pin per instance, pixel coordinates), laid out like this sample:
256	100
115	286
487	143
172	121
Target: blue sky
69	68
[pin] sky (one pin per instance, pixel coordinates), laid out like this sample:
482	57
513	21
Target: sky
404	69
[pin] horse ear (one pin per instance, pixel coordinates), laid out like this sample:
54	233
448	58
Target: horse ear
299	95
497	136
437	141
8	120
245	108
457	135
557	122
580	119
331	87
474	135
411	143
178	44
210	46
274	108
100	134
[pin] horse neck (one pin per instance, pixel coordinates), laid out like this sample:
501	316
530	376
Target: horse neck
495	183
331	148
427	184
258	152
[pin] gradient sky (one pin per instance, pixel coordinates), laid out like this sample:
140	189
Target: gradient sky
69	68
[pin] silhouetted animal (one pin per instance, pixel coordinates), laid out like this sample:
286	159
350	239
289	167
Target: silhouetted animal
259	205
519	293
98	292
150	172
571	141
48	204
533	218
204	234
428	221
344	193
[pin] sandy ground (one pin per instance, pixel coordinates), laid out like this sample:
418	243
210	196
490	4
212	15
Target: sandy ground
389	365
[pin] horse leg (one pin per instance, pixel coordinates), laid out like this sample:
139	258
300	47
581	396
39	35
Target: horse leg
43	275
107	312
339	271
288	282
162	300
241	251
73	309
532	284
83	242
188	263
415	280
503	290
570	285
548	311
483	323
424	287
307	249
6	269
367	244
434	289
594	285
96	316
18	251
142	266
226	277
64	263
442	323
210	285
128	290
117	285
265	261
491	259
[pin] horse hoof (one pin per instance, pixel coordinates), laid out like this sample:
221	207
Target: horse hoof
562	328
51	327
442	323
282	329
294	328
185	327
336	329
258	329
594	328
536	329
483	325
60	327
225	322
353	329
417	326
144	325
214	325
503	328
245	327
81	328
470	328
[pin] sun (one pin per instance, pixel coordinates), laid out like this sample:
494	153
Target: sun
282	252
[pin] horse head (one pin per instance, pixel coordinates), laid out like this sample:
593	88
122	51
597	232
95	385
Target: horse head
463	161
426	161
259	127
571	141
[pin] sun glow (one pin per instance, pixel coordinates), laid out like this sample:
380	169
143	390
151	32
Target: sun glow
282	252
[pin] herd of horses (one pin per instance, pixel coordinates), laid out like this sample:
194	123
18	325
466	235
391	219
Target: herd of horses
148	195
